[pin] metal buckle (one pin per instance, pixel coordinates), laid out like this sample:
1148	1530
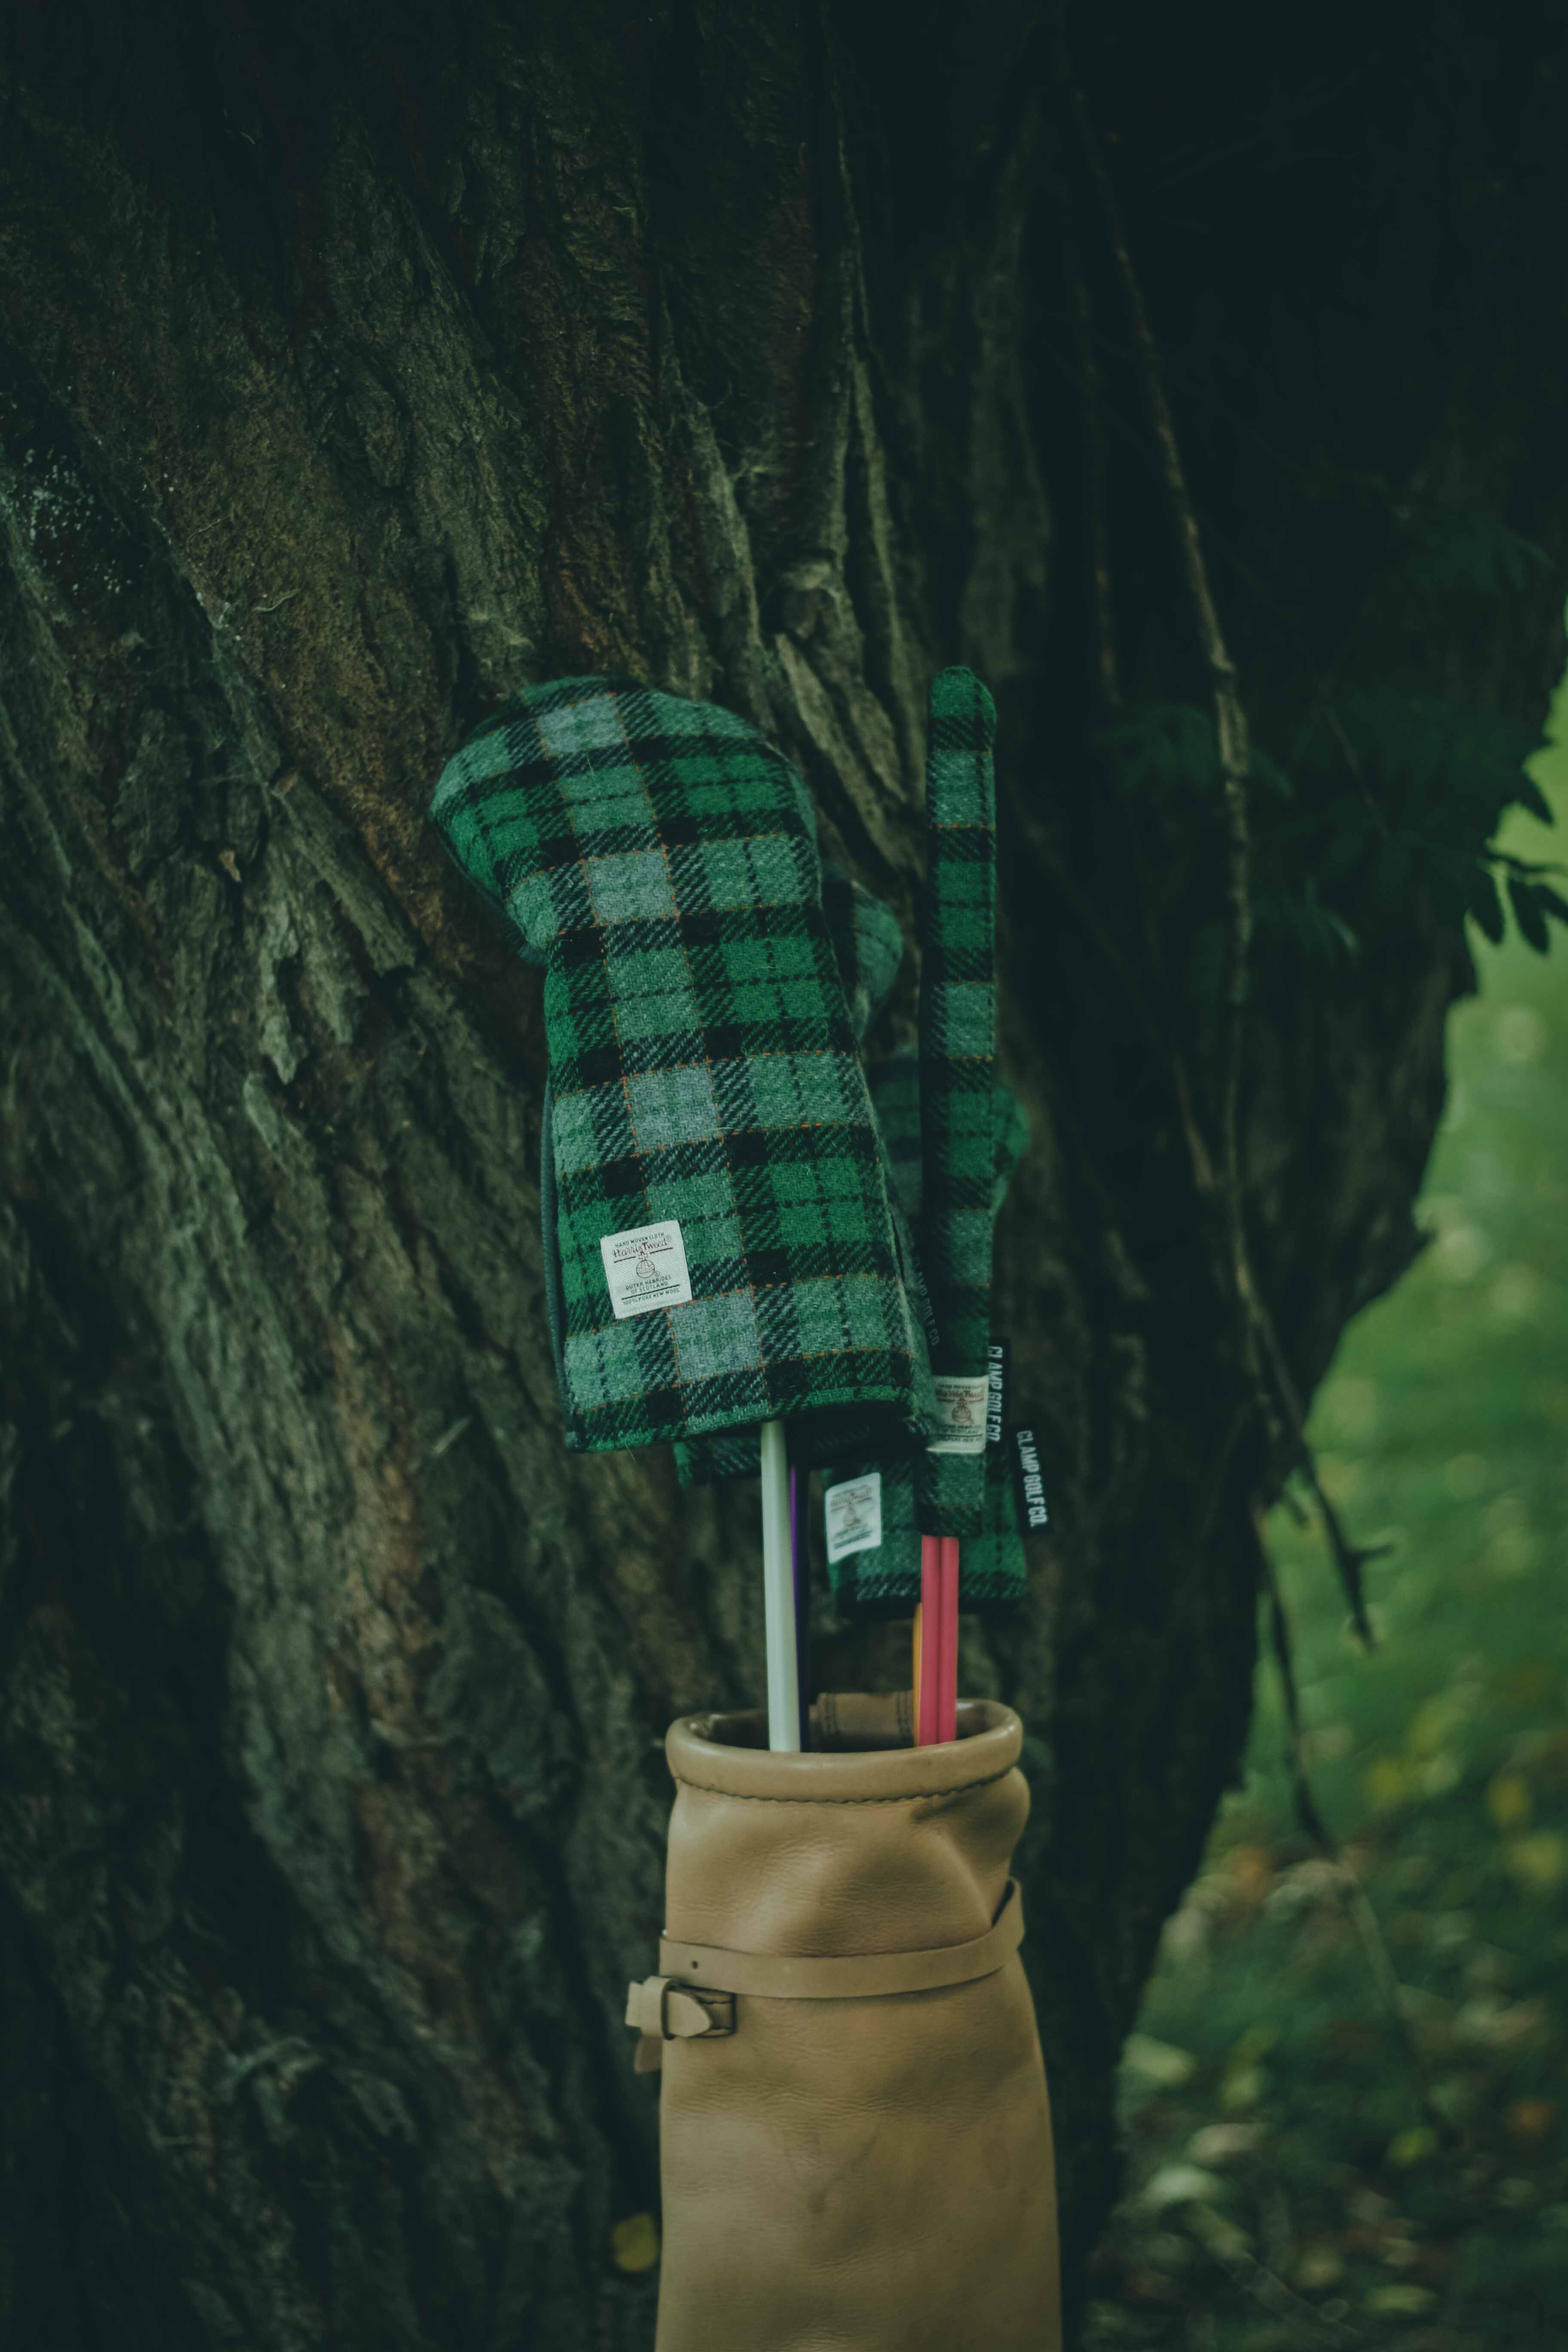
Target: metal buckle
719	2006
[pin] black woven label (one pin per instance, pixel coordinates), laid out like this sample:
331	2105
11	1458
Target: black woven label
1029	1486
996	1396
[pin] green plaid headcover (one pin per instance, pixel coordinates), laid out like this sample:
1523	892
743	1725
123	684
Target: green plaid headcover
658	858
870	948
958	1050
884	1581
867	943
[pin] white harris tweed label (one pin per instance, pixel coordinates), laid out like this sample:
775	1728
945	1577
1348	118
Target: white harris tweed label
853	1512
961	1402
646	1268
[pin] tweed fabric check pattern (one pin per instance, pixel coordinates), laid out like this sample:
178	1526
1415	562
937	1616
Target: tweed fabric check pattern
895	1087
870	947
885	1579
958	1015
659	858
867	943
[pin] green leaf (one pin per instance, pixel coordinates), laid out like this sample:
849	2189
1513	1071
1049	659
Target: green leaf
1303	921
1471	549
1328	934
1529	913
1531	867
1531	796
1481	897
1427	759
1553	901
1261	769
1352	831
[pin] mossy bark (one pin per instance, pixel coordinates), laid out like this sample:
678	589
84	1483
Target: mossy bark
355	369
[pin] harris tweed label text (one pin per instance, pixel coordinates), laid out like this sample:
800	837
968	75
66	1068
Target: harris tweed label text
852	1512
646	1268
961	1402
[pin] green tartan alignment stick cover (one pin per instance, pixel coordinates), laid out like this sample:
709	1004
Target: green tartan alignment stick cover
659	858
884	1578
958	1052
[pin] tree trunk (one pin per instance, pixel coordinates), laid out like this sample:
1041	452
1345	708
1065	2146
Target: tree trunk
357	368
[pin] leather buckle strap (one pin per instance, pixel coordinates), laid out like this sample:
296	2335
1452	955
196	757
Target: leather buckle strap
699	1968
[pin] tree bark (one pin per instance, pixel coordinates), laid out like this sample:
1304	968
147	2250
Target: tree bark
356	369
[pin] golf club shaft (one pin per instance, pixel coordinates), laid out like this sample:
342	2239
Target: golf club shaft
800	1580
947	1698
927	1719
778	1595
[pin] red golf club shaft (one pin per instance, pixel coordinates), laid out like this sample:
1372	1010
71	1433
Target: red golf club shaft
928	1714
947	1699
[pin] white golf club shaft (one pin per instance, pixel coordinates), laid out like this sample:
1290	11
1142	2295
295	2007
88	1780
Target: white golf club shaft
778	1595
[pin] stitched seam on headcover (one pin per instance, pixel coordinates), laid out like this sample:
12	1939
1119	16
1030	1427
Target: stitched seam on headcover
959	1789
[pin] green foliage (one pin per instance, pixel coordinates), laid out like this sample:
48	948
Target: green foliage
1387	797
1469	550
1411	790
1301	919
1429	763
1265	2092
1170	751
1385	794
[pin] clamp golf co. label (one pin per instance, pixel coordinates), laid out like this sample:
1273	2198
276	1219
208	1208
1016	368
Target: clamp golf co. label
646	1268
996	1398
853	1510
1029	1487
961	1404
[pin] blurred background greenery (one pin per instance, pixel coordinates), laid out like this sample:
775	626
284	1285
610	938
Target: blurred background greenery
1346	2107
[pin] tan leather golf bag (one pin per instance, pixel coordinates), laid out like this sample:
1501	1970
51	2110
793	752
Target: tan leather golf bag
855	2131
